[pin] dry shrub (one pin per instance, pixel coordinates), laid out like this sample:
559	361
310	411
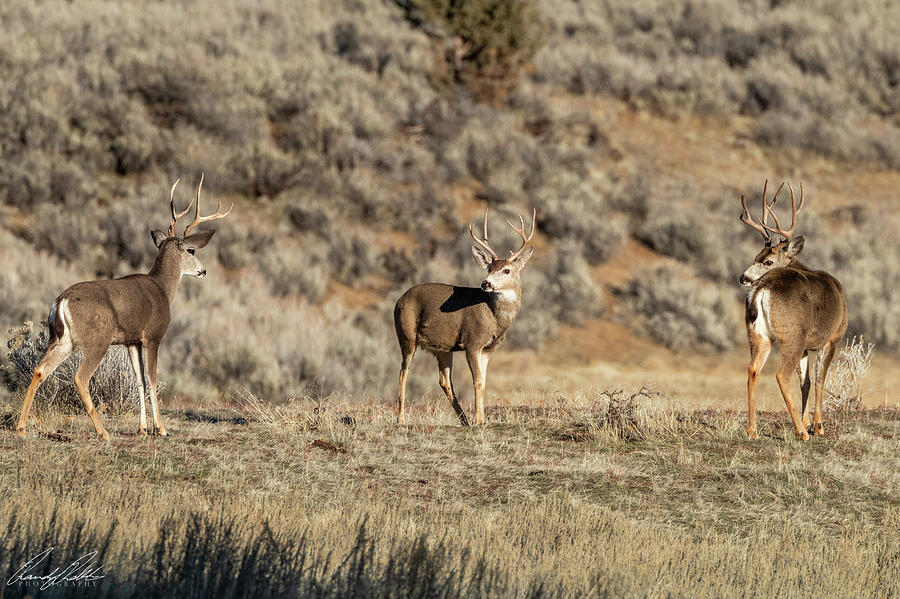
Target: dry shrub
570	210
488	41
113	386
681	312
558	290
844	387
615	415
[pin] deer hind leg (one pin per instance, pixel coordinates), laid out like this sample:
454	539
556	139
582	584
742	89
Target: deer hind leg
790	359
151	357
803	371
760	346
445	366
478	362
408	353
92	359
137	365
56	354
823	362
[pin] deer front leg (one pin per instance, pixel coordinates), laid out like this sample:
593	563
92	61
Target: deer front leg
760	346
152	354
478	361
54	357
137	365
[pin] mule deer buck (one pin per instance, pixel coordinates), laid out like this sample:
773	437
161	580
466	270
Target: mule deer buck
444	318
132	311
803	309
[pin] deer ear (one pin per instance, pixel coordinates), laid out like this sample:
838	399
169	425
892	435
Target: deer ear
198	240
482	258
795	246
521	260
158	237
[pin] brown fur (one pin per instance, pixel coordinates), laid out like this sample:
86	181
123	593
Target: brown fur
131	311
444	319
806	312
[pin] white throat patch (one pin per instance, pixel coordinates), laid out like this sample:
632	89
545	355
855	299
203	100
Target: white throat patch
506	295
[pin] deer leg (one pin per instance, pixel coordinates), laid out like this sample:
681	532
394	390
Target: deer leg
445	366
92	358
137	365
823	362
790	358
760	346
151	357
803	371
408	354
478	361
55	356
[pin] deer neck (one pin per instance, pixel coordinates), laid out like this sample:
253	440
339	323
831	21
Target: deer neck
505	305
166	271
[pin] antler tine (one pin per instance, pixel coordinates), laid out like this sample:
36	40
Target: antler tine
795	208
521	232
748	220
204	219
483	242
767	209
176	215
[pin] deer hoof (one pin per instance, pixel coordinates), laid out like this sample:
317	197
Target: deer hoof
162	432
401	418
103	436
20	431
819	429
752	433
142	432
803	435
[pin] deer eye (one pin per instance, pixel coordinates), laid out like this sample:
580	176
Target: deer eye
768	262
506	271
191	251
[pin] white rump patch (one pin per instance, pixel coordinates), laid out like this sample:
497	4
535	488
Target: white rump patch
762	325
62	309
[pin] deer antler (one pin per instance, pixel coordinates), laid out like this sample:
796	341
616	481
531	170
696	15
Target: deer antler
521	231
795	209
763	225
175	215
483	242
203	219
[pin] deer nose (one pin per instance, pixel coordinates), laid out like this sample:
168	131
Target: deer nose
486	286
201	272
744	280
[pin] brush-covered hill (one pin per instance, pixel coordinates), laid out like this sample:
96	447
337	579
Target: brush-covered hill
358	138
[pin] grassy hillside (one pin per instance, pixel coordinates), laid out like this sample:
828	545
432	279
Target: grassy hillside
599	494
358	138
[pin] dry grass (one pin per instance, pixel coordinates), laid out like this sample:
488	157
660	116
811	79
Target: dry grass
553	491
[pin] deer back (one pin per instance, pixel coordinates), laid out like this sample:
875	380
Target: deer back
448	318
800	303
129	310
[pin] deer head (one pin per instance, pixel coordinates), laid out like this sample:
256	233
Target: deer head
503	273
182	249
777	252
